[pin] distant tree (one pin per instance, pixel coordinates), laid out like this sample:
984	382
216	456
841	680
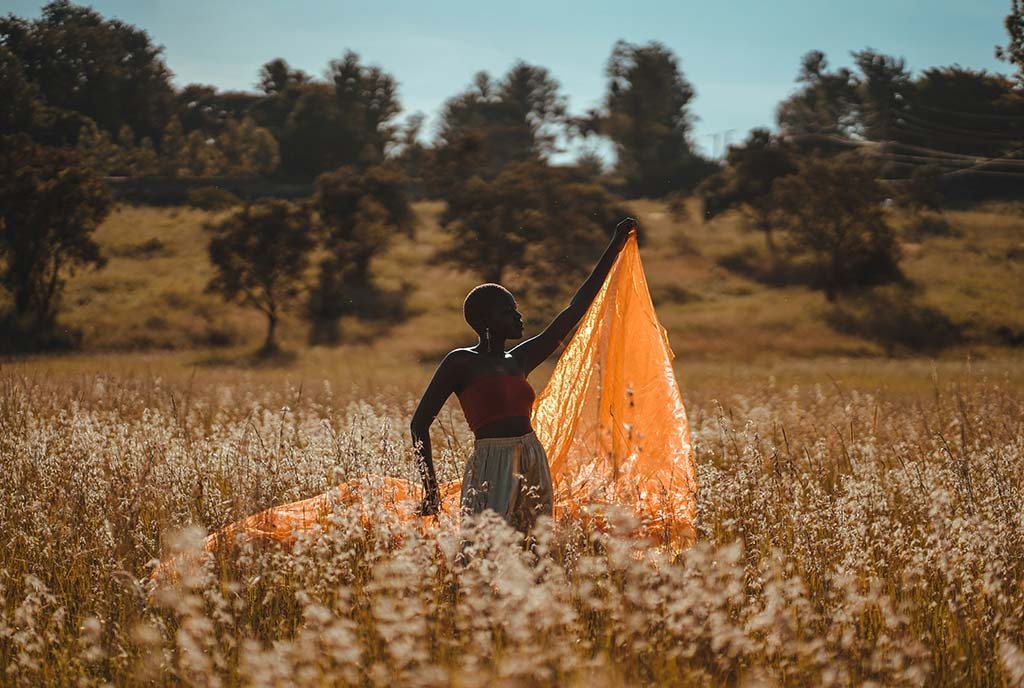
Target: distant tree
412	155
260	254
277	76
963	111
826	104
311	140
247	148
885	91
536	220
746	181
367	100
173	148
590	164
202	156
96	150
493	124
50	204
19	106
647	115
203	108
282	87
1013	51
832	207
360	213
104	69
346	121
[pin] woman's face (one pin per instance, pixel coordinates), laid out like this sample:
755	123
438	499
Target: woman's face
506	322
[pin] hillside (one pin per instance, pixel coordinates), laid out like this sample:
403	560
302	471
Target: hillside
151	293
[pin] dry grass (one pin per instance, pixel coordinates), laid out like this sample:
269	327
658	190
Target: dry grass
860	523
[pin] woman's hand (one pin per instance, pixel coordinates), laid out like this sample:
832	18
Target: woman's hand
623	229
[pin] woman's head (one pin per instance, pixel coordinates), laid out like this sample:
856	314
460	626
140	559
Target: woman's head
492	307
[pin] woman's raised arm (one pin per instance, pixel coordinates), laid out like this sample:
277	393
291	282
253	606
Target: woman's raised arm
535	350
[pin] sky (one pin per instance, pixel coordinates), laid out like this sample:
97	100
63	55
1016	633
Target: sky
741	56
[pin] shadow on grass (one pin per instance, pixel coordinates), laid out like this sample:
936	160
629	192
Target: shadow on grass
895	319
377	310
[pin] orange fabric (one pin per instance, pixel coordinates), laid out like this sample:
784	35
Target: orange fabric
611	420
492	397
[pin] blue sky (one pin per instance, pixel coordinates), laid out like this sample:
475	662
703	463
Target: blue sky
740	55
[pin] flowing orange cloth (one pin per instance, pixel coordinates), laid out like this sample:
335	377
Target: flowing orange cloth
611	420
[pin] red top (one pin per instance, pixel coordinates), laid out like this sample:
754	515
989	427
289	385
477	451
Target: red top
491	397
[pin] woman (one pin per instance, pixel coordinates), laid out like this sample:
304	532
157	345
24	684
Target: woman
508	471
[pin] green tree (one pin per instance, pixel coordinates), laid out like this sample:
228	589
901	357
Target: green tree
96	150
493	124
247	148
202	156
827	103
50	204
832	208
260	254
647	116
360	212
885	90
277	76
536	221
1013	51
367	99
746	181
19	106
173	148
104	69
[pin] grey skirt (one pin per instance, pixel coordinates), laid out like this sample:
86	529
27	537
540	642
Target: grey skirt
509	475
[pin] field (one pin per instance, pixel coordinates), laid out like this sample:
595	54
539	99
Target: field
860	523
970	279
859	515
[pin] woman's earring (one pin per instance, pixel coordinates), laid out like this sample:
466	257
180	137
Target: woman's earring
487	333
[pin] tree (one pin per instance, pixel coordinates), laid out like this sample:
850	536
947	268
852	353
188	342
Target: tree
346	121
884	91
832	207
96	150
247	148
542	222
277	76
1013	51
412	155
360	213
493	124
19	106
367	99
260	254
50	204
746	182
173	148
202	156
827	103
647	116
104	69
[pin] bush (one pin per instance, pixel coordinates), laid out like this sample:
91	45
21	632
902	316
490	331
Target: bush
211	198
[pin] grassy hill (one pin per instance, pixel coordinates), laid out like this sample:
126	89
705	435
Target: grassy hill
151	293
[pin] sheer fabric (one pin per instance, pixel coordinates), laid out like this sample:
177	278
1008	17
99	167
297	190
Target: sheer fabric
611	421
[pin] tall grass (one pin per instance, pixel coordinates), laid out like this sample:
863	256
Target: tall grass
845	537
